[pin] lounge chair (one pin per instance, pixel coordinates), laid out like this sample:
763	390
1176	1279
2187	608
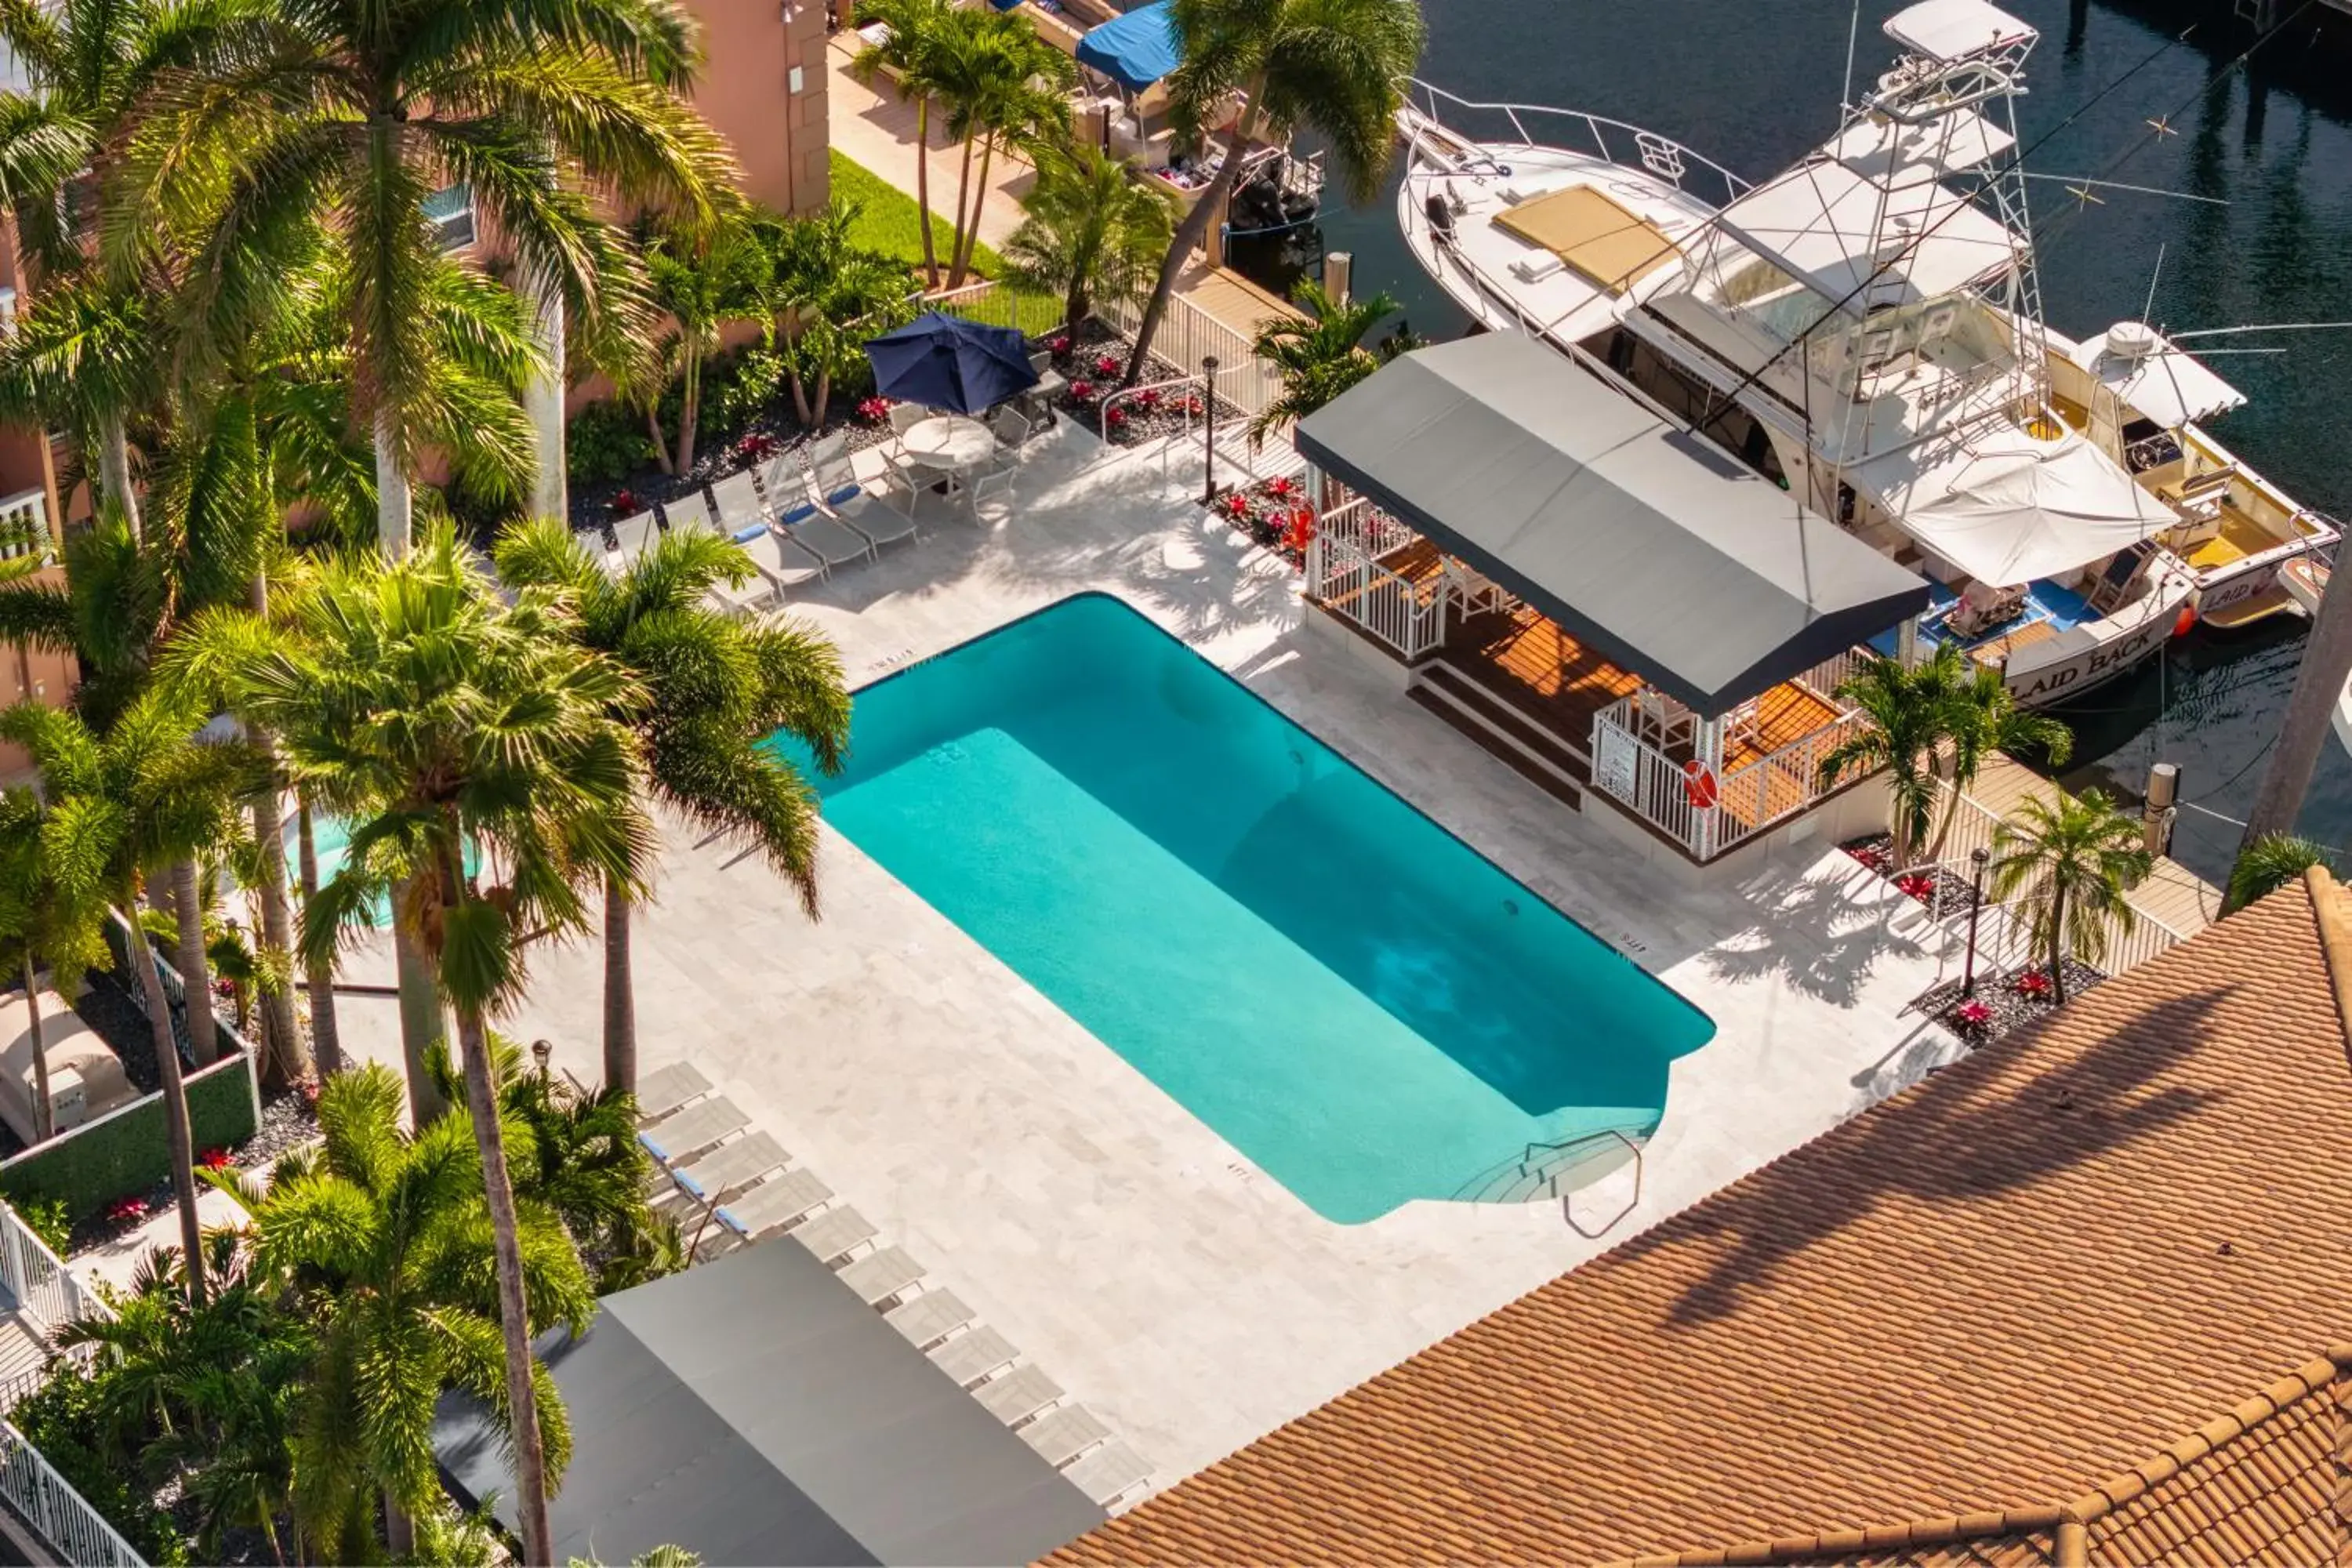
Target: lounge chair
1108	1473
818	456
689	514
782	561
1065	1434
927	1319
773	1204
823	536
739	506
665	1089
874	519
1019	1395
970	1357
879	1275
634	533
835	1233
836	472
700	1126
730	1167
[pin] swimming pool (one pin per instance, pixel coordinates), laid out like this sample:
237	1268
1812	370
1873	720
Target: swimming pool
1347	993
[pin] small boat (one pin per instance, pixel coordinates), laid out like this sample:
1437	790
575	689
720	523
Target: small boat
2304	581
1866	328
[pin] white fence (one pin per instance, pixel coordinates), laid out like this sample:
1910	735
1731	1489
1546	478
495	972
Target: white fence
1188	335
48	1503
1344	577
45	1294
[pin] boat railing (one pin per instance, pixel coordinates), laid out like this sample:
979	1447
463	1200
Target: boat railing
1610	141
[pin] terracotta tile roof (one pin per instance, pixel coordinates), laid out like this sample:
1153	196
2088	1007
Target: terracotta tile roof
2037	1268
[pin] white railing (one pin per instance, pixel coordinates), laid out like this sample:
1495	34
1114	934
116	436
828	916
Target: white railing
47	1501
1629	770
1343	577
25	525
1574	130
37	1281
1188	335
991	304
1824	679
1767	790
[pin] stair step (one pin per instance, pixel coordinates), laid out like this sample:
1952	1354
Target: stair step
1539	758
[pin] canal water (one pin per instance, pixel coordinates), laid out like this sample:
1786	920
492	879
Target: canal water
1754	87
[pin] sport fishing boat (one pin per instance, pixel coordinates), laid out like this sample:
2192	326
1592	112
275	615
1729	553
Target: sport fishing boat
1866	328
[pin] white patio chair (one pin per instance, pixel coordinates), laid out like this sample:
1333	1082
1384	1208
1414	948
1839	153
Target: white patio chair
1008	428
904	416
824	537
1473	589
689	514
1108	1472
921	478
817	454
832	471
741	507
875	519
992	481
1065	1434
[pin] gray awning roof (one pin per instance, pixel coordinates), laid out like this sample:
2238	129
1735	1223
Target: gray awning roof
755	1410
1652	546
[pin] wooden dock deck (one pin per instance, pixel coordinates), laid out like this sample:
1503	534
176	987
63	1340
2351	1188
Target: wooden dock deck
2173	895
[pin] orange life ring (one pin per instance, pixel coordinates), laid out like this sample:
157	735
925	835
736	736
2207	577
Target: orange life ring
1698	783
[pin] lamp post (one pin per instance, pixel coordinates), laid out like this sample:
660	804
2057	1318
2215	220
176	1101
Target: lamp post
543	1053
1978	857
1209	448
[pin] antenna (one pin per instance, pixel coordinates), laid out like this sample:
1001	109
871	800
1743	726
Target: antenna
2149	308
2269	327
1853	32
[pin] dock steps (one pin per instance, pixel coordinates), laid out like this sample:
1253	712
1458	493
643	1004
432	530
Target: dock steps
1538	757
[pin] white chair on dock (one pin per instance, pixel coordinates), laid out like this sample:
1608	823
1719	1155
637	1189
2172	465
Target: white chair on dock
1473	589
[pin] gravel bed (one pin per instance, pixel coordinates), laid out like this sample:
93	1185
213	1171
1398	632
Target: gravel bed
1952	892
2007	1006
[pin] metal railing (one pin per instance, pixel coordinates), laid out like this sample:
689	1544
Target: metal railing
990	304
1766	791
37	1281
1343	577
1574	130
1188	335
47	1502
25	525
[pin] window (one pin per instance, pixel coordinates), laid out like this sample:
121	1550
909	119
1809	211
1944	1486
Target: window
450	211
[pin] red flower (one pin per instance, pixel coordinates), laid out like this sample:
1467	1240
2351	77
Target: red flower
1281	489
2033	983
624	503
1148	398
1105	365
1235	506
1082	391
1917	884
214	1160
873	410
1115	419
755	445
1973	1015
1060	346
127	1208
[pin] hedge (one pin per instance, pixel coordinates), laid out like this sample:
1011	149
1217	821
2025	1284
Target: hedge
126	1151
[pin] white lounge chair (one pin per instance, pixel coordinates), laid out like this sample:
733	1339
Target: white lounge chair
689	514
824	537
782	562
634	534
728	1169
927	1319
818	455
879	1275
1019	1395
836	471
740	508
706	1122
877	521
665	1089
971	1356
1065	1434
835	1233
775	1203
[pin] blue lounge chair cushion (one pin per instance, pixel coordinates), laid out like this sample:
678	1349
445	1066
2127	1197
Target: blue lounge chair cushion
690	1186
746	535
798	514
845	493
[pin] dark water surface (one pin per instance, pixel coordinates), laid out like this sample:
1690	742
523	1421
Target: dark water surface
1754	86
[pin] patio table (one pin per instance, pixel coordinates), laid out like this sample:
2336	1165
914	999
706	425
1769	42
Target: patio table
952	442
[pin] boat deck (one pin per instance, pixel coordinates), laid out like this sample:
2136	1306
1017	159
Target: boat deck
2241	536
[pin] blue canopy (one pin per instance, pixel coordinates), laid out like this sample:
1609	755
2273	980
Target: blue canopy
1137	49
946	362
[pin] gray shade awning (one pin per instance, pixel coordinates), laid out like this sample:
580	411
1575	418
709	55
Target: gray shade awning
755	1410
1652	546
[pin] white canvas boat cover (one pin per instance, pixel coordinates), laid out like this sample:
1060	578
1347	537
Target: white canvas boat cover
1954	29
1834	229
2161	381
2005	508
1877	148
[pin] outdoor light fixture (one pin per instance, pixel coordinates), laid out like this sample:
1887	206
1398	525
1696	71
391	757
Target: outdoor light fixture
1209	448
1979	856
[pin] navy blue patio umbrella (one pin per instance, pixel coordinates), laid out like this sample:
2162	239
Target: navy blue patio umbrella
946	362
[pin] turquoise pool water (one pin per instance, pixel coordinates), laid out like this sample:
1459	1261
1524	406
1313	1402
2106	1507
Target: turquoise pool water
1347	993
331	842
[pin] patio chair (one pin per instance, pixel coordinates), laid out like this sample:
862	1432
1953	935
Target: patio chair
1008	428
665	1089
1065	1434
835	1233
689	514
1473	589
830	542
1110	1472
969	1357
1019	1395
700	1126
730	1167
870	515
634	533
879	1275
782	562
740	508
919	478
775	1204
927	1319
904	416
832	473
992	481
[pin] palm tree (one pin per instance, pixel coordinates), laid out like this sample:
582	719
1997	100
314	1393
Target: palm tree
1986	719
1000	83
349	117
1910	713
1091	232
718	687
1321	357
125	803
379	1235
87	356
1334	66
907	52
49	919
2270	863
2073	861
433	716
829	295
704	282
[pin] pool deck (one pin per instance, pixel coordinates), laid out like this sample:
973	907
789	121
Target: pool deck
1181	1294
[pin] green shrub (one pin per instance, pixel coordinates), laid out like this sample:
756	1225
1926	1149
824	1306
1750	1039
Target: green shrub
87	1168
749	383
63	1421
51	1219
605	442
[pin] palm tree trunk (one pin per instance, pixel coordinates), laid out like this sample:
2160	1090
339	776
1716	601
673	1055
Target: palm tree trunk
620	993
923	190
289	1061
392	498
1190	233
177	1134
326	1033
195	973
42	1129
544	398
801	409
514	1317
421	1021
979	199
963	193
2058	940
688	409
399	1529
2318	686
661	441
115	469
823	398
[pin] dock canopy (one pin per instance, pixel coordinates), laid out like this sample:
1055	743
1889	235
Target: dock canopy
755	1410
1137	49
1652	545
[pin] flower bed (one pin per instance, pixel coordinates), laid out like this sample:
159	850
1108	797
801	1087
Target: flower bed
1094	361
1274	513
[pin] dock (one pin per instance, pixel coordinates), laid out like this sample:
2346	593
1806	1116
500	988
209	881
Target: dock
2173	896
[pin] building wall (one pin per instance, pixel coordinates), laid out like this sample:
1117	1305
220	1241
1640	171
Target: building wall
752	49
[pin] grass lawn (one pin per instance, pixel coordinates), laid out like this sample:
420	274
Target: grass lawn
888	222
